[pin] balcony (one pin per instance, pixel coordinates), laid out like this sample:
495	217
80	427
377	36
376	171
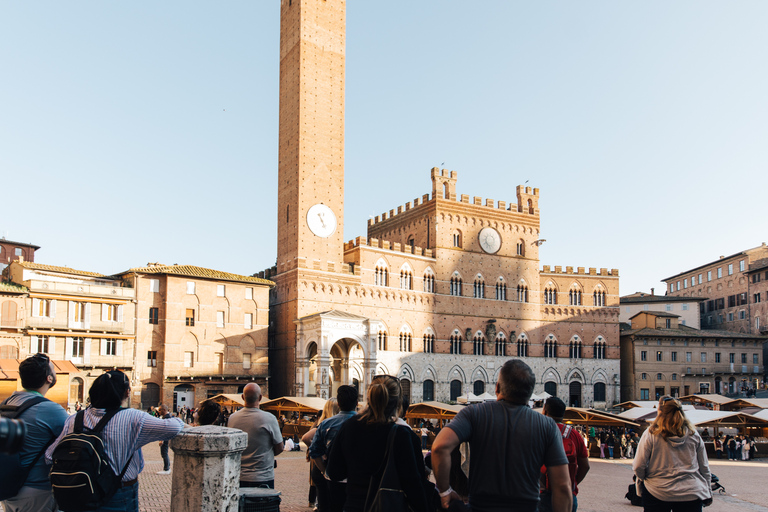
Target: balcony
106	289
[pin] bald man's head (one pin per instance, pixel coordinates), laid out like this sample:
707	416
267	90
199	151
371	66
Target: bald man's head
252	394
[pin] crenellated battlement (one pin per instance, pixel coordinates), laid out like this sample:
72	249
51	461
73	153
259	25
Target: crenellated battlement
444	187
614	272
375	243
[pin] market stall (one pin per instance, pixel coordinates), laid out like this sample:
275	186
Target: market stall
296	414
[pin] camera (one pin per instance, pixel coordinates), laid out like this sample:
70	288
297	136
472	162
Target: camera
12	434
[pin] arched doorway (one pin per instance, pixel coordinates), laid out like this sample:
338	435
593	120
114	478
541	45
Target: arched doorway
731	385
478	387
574	392
405	389
428	391
550	388
455	390
345	367
718	385
183	394
150	395
76	390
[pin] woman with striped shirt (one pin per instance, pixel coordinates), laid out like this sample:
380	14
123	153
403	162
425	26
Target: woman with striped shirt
123	436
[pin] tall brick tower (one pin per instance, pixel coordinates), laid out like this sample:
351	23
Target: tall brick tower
311	164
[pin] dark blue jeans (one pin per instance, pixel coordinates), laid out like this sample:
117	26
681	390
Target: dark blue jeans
269	484
164	455
124	500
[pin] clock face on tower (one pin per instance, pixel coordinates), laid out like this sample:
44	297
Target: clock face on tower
321	220
490	241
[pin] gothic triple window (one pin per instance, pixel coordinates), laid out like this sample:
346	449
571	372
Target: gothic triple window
501	345
429	343
598	297
455	343
429	282
550	347
599	349
405	341
406	279
479	290
501	290
456	286
477	344
382	340
381	276
522	293
574	350
574	297
522	346
550	295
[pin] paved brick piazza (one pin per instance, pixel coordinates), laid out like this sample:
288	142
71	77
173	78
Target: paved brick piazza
602	491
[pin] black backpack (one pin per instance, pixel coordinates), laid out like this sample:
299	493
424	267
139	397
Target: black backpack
81	476
12	474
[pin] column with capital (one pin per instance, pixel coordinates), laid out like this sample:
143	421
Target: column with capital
369	372
323	373
302	377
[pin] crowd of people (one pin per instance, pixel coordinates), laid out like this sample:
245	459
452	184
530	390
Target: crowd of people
489	457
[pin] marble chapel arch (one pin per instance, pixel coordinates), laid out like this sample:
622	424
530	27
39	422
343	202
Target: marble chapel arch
440	292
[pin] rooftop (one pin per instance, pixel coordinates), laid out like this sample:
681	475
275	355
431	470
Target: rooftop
722	258
642	298
24	244
62	270
193	271
9	287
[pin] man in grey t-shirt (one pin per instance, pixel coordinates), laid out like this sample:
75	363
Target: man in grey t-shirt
509	443
257	464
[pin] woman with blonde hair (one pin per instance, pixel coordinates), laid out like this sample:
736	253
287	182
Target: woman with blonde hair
318	489
359	449
672	463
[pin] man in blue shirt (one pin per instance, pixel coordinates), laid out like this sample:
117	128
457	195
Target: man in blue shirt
321	446
44	421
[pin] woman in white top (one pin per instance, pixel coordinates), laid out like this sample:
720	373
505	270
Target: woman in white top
672	463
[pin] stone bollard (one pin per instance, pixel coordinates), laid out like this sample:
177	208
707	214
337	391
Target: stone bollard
206	469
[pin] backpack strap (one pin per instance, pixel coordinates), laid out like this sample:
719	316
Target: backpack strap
14	411
566	431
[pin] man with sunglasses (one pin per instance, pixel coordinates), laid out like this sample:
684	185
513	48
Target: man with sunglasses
44	422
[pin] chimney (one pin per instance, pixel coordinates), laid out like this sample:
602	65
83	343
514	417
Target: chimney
651	291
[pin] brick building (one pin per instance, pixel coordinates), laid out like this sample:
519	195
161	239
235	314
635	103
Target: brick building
660	356
15	251
199	332
440	292
687	308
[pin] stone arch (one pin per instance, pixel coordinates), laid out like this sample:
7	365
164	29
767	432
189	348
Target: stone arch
406	372
381	369
456	373
599	376
429	373
551	374
479	373
575	374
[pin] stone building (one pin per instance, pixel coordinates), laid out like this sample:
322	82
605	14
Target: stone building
77	316
687	308
441	291
12	313
661	356
199	333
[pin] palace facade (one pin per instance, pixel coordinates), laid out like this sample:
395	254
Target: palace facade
440	292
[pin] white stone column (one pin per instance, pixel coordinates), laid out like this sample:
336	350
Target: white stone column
206	469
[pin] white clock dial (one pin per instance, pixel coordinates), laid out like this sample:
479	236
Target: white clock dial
321	220
490	240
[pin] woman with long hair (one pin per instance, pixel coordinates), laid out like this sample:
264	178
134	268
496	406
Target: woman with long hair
672	463
359	449
318	489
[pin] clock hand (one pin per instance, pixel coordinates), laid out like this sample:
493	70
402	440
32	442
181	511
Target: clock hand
320	216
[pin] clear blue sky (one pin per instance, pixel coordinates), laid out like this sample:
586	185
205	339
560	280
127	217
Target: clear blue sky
147	131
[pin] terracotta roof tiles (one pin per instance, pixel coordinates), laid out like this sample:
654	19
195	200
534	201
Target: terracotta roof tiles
193	271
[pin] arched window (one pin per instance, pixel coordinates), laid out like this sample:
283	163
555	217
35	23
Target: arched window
428	391
478	343
456	286
550	294
455	390
429	281
501	344
478	387
405	389
522	346
457	241
501	290
522	293
550	388
455	343
574	350
574	296
598	297
406	279
382	340
520	248
429	342
411	242
599	392
599	349
550	347
479	290
76	388
381	275
405	341
530	207
9	352
150	395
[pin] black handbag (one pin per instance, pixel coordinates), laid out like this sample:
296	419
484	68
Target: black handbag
384	492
